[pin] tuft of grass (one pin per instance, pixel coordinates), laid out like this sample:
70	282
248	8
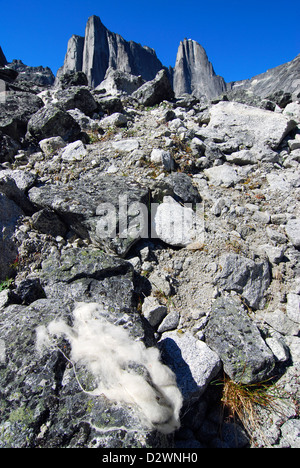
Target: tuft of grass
243	402
5	284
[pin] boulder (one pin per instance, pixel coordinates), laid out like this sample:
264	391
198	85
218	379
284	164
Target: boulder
162	158
76	97
10	214
292	229
64	400
118	81
75	151
93	206
72	78
247	277
224	175
249	125
51	121
8	148
192	361
16	111
177	225
237	341
155	91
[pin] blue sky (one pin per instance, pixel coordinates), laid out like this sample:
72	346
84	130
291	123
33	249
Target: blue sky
242	39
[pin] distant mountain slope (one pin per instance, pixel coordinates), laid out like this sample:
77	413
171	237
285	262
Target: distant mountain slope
285	77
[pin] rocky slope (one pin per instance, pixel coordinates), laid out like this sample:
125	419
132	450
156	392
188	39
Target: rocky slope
162	234
284	77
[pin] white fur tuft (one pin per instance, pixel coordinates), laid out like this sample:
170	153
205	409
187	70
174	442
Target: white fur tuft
109	353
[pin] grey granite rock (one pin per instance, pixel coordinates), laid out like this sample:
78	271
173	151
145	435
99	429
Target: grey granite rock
237	341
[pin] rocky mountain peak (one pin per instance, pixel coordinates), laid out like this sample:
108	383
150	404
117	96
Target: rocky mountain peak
3	60
101	49
193	73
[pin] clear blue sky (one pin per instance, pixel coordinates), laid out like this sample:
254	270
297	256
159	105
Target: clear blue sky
242	39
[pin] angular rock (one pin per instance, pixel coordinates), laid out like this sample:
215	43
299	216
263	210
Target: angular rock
115	120
76	97
55	402
292	229
117	81
153	311
73	78
162	158
293	307
177	225
8	148
249	125
155	91
50	146
52	122
224	175
16	111
249	278
237	341
279	321
90	206
10	213
75	151
47	222
193	362
107	104
183	189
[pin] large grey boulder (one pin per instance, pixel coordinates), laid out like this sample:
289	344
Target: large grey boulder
250	126
63	399
235	338
16	111
155	91
117	81
193	362
10	213
194	74
91	207
50	121
76	97
247	277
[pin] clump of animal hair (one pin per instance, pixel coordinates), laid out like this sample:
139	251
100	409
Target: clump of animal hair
125	370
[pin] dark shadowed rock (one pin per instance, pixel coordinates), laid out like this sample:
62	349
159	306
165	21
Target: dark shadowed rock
50	122
16	111
10	214
76	97
81	205
155	91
